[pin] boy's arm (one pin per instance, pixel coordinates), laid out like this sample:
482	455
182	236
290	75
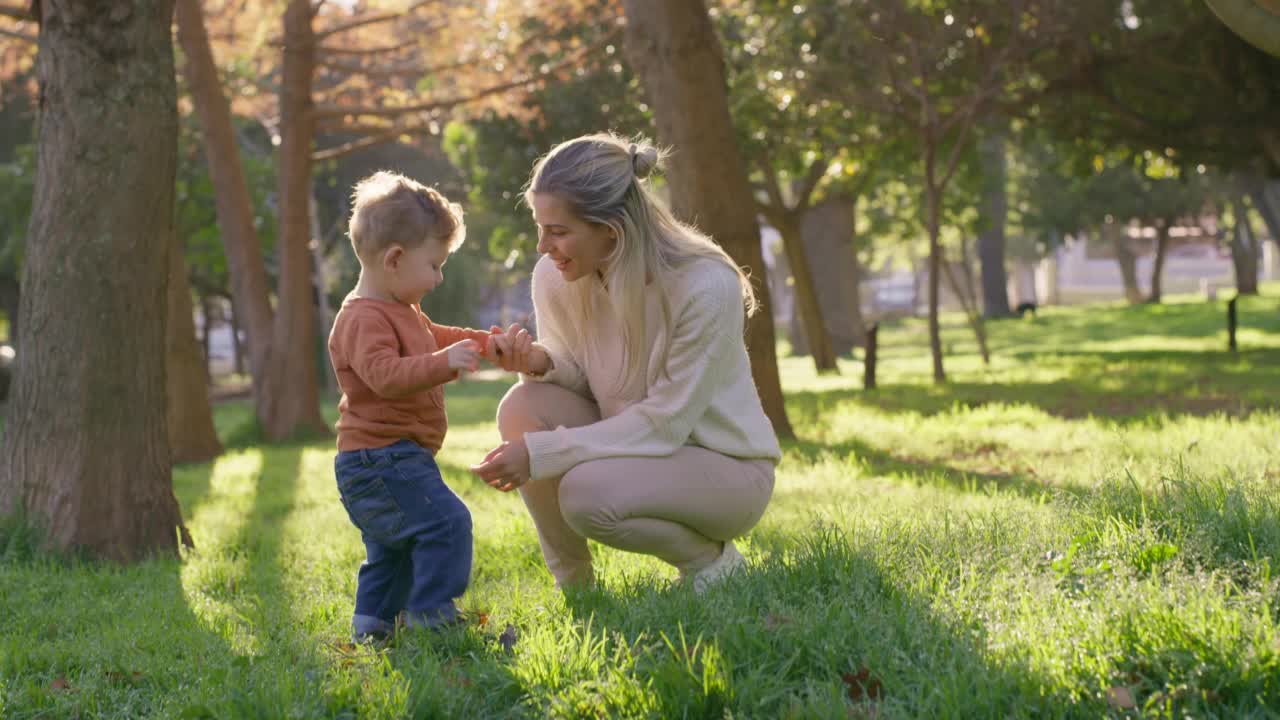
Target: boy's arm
447	335
374	349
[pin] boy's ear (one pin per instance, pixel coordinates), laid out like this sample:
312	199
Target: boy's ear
391	257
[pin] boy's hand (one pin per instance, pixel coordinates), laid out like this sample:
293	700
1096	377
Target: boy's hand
464	355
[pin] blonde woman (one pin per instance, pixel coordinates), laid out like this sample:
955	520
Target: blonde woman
636	422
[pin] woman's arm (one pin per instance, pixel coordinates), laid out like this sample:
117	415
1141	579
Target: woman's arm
708	327
553	328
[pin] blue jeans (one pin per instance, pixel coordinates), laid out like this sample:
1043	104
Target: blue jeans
416	532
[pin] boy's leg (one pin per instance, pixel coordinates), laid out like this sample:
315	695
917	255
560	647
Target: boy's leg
438	532
381	586
532	407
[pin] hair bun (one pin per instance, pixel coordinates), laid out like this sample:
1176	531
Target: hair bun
644	159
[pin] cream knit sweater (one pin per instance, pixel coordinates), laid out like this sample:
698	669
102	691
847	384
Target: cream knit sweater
705	397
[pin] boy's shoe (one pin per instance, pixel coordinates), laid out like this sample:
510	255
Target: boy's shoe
730	561
370	629
439	620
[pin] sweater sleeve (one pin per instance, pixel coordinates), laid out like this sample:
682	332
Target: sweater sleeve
374	350
447	335
705	331
553	325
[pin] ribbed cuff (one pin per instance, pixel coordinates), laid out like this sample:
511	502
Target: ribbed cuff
548	457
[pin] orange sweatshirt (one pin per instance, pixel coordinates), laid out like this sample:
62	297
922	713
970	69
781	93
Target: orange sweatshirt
391	366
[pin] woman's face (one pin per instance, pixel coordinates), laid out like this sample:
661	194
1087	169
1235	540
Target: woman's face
578	247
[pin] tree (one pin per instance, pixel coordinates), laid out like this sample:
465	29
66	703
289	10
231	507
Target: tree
86	453
994	218
192	436
673	48
935	70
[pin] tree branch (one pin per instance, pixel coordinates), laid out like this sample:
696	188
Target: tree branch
816	170
324	112
370	19
323	49
410	71
34	40
367	142
17	12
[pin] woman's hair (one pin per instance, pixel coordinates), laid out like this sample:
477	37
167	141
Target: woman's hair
602	178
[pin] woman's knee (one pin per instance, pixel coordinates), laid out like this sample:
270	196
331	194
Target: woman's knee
535	406
581	504
517	413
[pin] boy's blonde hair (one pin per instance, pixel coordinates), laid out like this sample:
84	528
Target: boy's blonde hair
391	209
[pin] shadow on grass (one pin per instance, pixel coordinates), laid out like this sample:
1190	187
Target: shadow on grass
1129	387
802	633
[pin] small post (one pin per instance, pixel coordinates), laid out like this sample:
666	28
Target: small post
1231	323
869	358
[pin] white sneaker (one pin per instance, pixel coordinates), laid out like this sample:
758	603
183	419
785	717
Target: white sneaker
730	561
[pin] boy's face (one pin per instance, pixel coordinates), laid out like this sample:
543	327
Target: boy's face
579	248
411	274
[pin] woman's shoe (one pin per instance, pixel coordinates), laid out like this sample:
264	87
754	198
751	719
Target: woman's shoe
730	561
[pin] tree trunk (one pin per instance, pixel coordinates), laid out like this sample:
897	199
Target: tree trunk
281	353
192	437
10	297
674	50
86	450
1244	251
967	294
828	230
817	340
933	202
292	394
1126	259
1157	266
237	350
1267	206
249	288
991	241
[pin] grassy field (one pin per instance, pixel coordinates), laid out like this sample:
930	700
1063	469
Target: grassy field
1088	527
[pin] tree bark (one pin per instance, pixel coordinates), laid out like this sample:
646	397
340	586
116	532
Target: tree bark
192	437
1157	266
86	450
10	298
1126	259
1267	207
281	352
674	50
991	241
829	233
933	220
1244	251
292	393
250	293
817	339
237	349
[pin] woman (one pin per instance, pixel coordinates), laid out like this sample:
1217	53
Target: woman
636	422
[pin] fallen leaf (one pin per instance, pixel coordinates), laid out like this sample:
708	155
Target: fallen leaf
773	621
481	619
60	684
862	685
1121	698
508	638
124	678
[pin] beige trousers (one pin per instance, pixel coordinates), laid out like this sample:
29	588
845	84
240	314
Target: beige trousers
680	508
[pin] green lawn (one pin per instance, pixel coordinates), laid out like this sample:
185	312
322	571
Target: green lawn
1086	528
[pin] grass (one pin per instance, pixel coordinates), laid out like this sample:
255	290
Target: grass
1087	528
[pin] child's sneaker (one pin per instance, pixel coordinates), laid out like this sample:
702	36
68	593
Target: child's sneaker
730	560
370	629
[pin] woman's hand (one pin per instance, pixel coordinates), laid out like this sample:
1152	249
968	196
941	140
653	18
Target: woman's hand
506	467
515	350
